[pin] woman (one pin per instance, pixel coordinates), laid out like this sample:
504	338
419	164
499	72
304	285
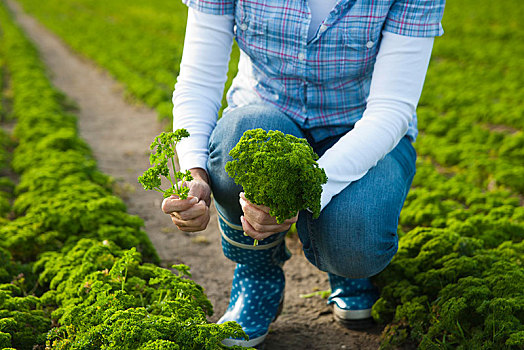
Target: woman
347	76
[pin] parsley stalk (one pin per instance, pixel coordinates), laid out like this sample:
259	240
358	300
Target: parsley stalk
163	148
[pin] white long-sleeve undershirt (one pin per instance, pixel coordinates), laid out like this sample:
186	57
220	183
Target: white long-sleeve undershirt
396	85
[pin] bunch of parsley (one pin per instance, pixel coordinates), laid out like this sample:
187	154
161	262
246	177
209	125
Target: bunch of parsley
279	171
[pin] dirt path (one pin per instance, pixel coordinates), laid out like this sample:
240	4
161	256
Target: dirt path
119	134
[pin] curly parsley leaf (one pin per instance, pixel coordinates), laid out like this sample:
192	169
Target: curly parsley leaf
279	171
163	147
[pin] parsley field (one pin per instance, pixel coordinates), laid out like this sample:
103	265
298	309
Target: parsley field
457	281
141	44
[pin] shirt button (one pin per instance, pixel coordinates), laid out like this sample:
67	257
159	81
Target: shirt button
243	26
370	44
301	56
304	109
322	28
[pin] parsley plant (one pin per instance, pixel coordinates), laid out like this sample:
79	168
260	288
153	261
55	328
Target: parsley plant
279	171
163	155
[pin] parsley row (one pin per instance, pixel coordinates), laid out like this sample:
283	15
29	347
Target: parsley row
77	271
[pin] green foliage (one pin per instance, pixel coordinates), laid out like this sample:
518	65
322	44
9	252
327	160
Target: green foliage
14	274
278	171
23	322
71	274
6	188
113	322
61	196
6	185
445	290
163	148
477	130
93	292
106	297
455	280
141	46
4	143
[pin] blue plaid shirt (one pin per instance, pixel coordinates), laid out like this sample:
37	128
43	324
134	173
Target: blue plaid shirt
322	84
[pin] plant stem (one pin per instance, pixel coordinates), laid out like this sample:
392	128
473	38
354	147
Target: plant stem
171	180
174	171
158	189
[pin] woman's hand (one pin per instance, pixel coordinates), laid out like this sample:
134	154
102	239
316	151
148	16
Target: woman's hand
191	214
257	223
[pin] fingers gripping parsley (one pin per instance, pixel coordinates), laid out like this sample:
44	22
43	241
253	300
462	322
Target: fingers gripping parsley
163	155
279	171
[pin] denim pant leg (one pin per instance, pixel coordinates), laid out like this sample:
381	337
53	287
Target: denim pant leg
225	136
355	235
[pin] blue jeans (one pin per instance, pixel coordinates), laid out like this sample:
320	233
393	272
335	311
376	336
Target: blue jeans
355	235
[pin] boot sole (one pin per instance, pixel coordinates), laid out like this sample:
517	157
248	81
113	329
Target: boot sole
357	325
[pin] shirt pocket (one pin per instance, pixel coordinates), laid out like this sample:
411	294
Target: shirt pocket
359	52
252	38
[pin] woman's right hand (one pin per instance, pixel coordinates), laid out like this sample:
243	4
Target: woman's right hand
191	214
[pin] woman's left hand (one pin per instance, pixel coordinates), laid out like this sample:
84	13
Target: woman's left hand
257	223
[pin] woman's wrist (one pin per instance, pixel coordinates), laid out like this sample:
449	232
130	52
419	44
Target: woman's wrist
200	174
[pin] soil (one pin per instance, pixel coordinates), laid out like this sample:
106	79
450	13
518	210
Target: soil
119	132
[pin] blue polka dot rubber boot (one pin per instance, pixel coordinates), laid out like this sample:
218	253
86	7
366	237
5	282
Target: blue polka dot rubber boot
352	301
257	293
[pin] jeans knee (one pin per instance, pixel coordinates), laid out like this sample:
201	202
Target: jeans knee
361	256
223	138
361	264
232	125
